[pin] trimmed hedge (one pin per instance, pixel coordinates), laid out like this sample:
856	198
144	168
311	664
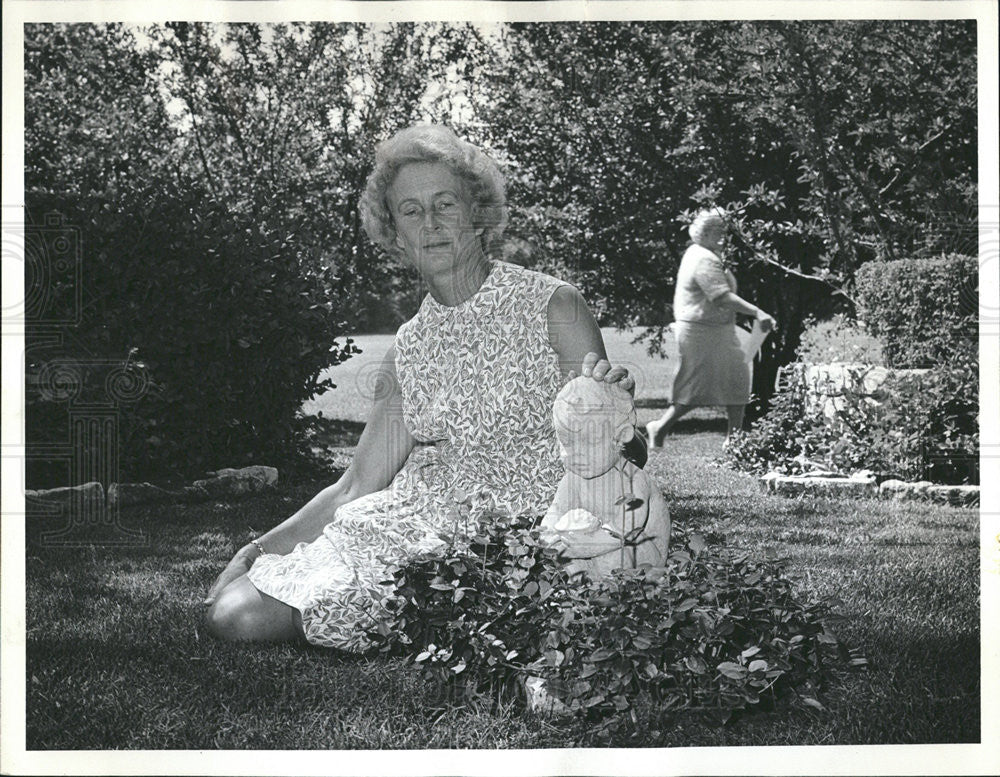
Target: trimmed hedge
925	311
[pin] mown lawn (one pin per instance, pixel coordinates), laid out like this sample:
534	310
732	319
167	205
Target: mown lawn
117	657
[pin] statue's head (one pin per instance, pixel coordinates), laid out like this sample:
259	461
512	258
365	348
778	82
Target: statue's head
593	420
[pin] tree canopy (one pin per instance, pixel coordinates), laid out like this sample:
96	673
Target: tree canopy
214	172
829	144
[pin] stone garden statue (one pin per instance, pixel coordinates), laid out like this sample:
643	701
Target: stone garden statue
607	513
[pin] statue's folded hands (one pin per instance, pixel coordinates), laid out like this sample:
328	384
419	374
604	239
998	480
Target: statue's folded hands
577	519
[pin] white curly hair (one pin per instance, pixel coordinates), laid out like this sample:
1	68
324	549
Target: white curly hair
710	221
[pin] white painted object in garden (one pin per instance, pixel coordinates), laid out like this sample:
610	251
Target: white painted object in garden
828	385
607	513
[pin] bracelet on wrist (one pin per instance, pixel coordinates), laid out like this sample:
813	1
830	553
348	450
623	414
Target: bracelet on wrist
260	548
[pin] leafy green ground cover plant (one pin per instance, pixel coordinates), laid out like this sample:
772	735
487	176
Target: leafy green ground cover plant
921	427
710	634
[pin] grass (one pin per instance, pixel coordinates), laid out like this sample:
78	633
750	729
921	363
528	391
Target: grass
117	657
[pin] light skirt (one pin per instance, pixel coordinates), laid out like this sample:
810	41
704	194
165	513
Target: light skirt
711	369
337	581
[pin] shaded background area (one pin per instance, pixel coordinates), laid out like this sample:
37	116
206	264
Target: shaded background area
195	257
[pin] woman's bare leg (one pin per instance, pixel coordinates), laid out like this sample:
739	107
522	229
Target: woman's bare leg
657	430
734	413
241	613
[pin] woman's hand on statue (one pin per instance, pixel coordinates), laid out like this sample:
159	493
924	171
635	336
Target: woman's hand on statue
240	565
600	369
767	322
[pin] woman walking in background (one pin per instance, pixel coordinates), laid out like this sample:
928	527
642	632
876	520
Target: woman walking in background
712	370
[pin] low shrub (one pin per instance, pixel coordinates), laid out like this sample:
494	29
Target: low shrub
922	426
930	425
209	333
710	633
923	310
838	339
784	438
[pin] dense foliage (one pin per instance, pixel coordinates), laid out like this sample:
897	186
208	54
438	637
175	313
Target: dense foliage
926	311
838	339
709	633
829	143
919	427
209	179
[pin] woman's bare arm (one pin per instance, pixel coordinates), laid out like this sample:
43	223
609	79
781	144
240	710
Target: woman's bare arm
732	301
384	445
383	448
576	338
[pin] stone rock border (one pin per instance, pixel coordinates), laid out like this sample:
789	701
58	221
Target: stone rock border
924	490
224	483
45	500
863	484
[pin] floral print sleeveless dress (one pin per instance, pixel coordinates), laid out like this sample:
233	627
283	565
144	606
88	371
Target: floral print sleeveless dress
478	381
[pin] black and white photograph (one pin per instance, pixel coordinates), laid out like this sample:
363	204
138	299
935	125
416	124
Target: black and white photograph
500	388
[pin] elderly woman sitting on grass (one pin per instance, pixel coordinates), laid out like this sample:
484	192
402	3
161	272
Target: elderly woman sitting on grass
472	377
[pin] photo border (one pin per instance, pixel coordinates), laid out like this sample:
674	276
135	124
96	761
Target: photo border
983	758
